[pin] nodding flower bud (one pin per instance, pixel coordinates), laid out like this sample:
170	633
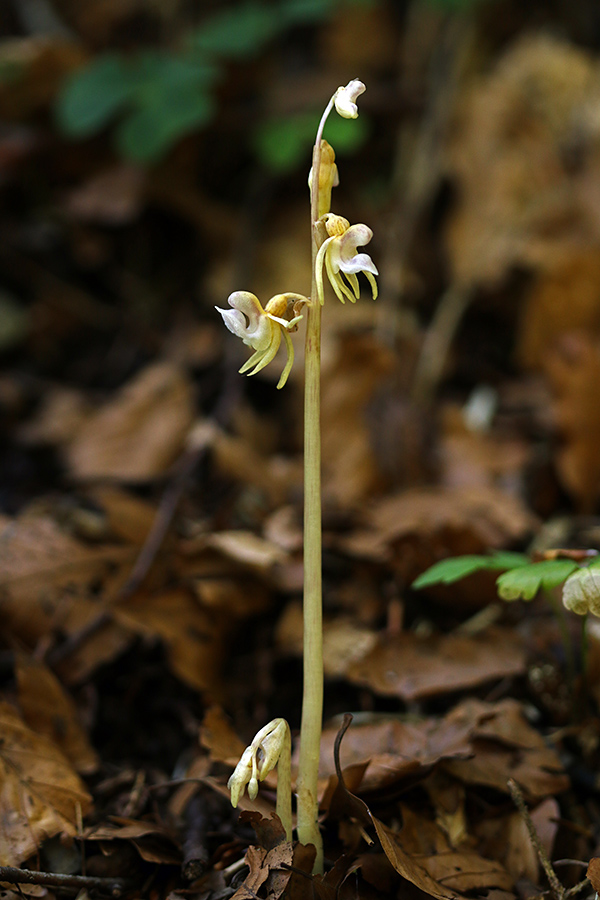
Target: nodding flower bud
258	759
345	99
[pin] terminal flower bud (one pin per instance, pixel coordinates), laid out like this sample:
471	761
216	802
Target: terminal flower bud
345	99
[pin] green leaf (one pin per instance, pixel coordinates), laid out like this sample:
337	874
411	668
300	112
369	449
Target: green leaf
283	144
505	559
525	581
448	571
239	32
305	12
149	132
91	96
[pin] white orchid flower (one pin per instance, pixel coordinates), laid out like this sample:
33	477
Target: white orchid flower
261	328
338	256
345	99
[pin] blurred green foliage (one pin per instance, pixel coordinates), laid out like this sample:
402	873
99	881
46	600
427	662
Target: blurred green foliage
155	97
283	143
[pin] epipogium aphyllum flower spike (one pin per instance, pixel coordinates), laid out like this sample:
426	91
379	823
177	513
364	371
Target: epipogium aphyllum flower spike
271	746
334	244
262	329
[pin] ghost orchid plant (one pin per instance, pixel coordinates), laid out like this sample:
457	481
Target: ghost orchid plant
334	251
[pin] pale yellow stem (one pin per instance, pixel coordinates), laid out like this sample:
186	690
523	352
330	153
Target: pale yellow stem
312	699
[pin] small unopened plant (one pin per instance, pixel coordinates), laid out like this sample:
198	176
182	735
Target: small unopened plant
334	254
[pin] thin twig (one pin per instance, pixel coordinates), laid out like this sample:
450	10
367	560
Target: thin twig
556	887
113	886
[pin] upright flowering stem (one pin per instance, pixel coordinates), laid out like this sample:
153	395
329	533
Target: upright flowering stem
334	245
312	698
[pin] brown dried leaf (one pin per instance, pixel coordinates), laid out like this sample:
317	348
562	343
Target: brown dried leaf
49	710
40	794
462	869
266	868
50	581
193	637
350	471
395	750
564	298
139	433
506	746
219	738
593	872
446	523
413	667
411	869
247	548
154	842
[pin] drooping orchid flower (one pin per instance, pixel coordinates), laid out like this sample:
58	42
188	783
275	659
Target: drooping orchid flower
338	256
262	329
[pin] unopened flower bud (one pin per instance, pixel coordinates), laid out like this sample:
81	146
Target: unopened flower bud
345	99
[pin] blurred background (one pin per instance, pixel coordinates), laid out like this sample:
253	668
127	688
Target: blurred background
153	158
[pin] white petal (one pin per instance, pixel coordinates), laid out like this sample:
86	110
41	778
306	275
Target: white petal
249	305
345	99
360	262
234	321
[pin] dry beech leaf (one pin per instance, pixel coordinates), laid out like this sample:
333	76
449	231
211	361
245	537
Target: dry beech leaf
247	548
51	581
506	746
475	518
395	750
47	709
266	869
219	738
413	667
344	640
411	868
40	794
565	297
350	471
139	433
461	868
506	839
129	517
193	635
154	842
593	872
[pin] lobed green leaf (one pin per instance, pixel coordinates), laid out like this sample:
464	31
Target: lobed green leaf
524	582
